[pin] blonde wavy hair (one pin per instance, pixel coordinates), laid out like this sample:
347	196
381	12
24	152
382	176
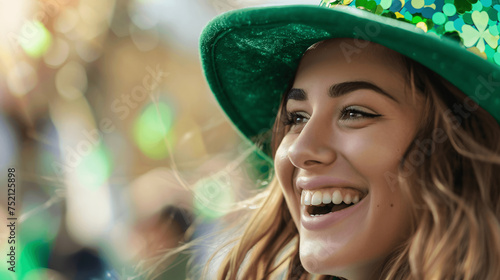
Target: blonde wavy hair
451	175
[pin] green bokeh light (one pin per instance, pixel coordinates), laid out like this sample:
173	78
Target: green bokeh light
152	129
35	237
213	198
95	168
34	38
33	255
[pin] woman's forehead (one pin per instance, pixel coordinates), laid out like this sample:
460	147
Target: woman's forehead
350	50
347	58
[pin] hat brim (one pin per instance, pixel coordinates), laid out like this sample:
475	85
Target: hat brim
250	56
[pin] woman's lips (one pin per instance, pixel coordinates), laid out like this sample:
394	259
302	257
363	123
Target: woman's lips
317	182
324	182
322	221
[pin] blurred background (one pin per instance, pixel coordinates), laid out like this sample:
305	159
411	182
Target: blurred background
118	145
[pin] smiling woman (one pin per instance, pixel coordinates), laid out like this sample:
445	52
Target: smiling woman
383	168
336	143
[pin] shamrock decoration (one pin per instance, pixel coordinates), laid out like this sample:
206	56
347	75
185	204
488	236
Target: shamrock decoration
472	36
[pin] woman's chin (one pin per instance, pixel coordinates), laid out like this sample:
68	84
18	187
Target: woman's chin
319	257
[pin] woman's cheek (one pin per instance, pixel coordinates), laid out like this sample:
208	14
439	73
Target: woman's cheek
285	174
375	153
282	164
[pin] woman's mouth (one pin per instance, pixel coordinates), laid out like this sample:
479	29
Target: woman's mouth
320	202
332	203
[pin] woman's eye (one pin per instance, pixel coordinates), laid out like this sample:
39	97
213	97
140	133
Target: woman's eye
295	118
353	113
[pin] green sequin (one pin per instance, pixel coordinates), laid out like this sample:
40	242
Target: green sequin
386	3
449	9
408	16
467	18
367	5
477	6
418	4
416	19
449	26
462	6
493	15
494	30
496	57
439	18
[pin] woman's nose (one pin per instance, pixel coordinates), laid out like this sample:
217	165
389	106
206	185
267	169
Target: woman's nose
314	146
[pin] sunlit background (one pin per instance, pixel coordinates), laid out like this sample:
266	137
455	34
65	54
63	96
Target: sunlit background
118	145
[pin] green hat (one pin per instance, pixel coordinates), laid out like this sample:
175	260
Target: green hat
250	56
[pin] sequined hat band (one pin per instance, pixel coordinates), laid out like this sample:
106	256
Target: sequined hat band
473	22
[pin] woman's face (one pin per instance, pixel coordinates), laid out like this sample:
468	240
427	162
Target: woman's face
351	119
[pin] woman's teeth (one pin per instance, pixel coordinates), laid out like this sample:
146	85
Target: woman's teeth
335	196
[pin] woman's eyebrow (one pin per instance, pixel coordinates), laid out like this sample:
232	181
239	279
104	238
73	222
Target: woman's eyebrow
340	89
296	94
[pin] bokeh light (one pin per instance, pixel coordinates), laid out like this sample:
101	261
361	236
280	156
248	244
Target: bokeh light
95	168
213	197
21	78
34	38
67	20
34	254
152	130
57	53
